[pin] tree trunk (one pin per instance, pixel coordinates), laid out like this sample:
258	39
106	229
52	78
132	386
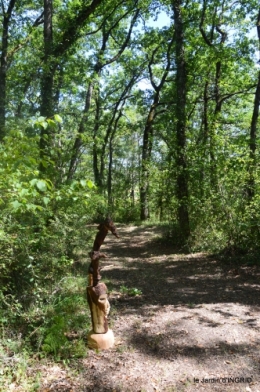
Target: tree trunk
110	163
3	65
211	130
78	140
146	158
109	176
252	144
253	133
52	57
181	96
111	130
48	70
95	148
148	130
203	138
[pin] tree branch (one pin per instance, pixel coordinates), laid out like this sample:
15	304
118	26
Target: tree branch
74	26
204	35
124	45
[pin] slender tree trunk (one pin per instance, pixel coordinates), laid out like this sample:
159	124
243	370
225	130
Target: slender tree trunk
78	140
133	171
110	163
146	158
95	148
48	71
253	133
211	133
21	103
213	127
181	97
57	87
252	144
148	130
3	65
251	183
111	129
202	140
109	177
51	61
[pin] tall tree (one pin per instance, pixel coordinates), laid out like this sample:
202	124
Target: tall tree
7	14
211	39
47	80
182	192
157	83
253	131
53	52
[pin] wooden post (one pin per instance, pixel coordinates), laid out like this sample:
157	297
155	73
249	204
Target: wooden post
101	337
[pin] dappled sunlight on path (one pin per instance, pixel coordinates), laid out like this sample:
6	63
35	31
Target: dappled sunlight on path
196	317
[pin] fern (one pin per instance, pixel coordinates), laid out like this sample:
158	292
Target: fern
55	338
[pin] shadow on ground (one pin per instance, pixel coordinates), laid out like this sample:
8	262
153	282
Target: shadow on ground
196	316
164	277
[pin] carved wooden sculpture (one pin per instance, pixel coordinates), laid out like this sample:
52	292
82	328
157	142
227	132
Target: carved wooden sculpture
100	337
104	228
99	307
94	269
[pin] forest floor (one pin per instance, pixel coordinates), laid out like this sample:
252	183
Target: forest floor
194	324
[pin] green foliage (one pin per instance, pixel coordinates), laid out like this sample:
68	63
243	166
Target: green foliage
55	330
57	343
67	320
101	100
57	327
132	292
42	230
14	369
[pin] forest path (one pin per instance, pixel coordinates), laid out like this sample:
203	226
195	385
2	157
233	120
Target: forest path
196	319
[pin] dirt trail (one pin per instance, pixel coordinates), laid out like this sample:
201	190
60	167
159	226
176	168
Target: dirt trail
195	327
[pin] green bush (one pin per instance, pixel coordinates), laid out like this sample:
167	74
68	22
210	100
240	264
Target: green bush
43	231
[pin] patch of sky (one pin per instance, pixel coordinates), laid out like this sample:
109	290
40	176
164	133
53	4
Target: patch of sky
160	21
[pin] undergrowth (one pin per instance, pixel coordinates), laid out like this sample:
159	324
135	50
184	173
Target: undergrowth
54	330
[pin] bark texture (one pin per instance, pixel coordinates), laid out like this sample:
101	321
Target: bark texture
253	132
181	100
97	291
7	14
